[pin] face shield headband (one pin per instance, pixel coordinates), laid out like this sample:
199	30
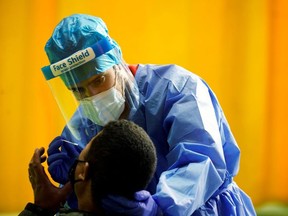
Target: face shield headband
77	59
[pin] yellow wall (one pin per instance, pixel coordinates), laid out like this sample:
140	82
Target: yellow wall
238	46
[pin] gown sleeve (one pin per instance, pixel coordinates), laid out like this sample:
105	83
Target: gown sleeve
195	128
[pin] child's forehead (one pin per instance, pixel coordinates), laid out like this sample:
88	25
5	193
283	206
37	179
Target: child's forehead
84	152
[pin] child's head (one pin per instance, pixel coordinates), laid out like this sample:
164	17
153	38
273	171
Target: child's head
122	160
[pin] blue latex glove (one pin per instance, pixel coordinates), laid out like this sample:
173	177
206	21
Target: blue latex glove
61	155
143	205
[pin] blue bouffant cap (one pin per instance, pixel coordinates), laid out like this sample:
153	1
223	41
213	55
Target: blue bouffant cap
78	32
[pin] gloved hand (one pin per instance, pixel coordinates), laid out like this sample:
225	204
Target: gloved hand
143	205
61	155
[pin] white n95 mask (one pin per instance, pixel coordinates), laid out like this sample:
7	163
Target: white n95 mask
104	107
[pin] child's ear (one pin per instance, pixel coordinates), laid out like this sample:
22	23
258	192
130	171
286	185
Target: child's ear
83	175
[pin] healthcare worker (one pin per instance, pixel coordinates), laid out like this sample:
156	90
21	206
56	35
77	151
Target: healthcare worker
197	153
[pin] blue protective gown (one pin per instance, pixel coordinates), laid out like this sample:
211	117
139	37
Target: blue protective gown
197	153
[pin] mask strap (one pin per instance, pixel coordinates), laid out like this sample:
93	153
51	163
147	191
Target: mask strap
76	180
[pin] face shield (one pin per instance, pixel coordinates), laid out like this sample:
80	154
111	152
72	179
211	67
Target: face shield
92	89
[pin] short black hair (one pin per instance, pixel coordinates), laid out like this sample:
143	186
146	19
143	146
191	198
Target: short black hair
122	160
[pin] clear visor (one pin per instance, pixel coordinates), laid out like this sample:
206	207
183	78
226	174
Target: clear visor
97	99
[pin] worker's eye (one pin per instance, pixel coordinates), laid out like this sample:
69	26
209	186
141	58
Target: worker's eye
97	81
